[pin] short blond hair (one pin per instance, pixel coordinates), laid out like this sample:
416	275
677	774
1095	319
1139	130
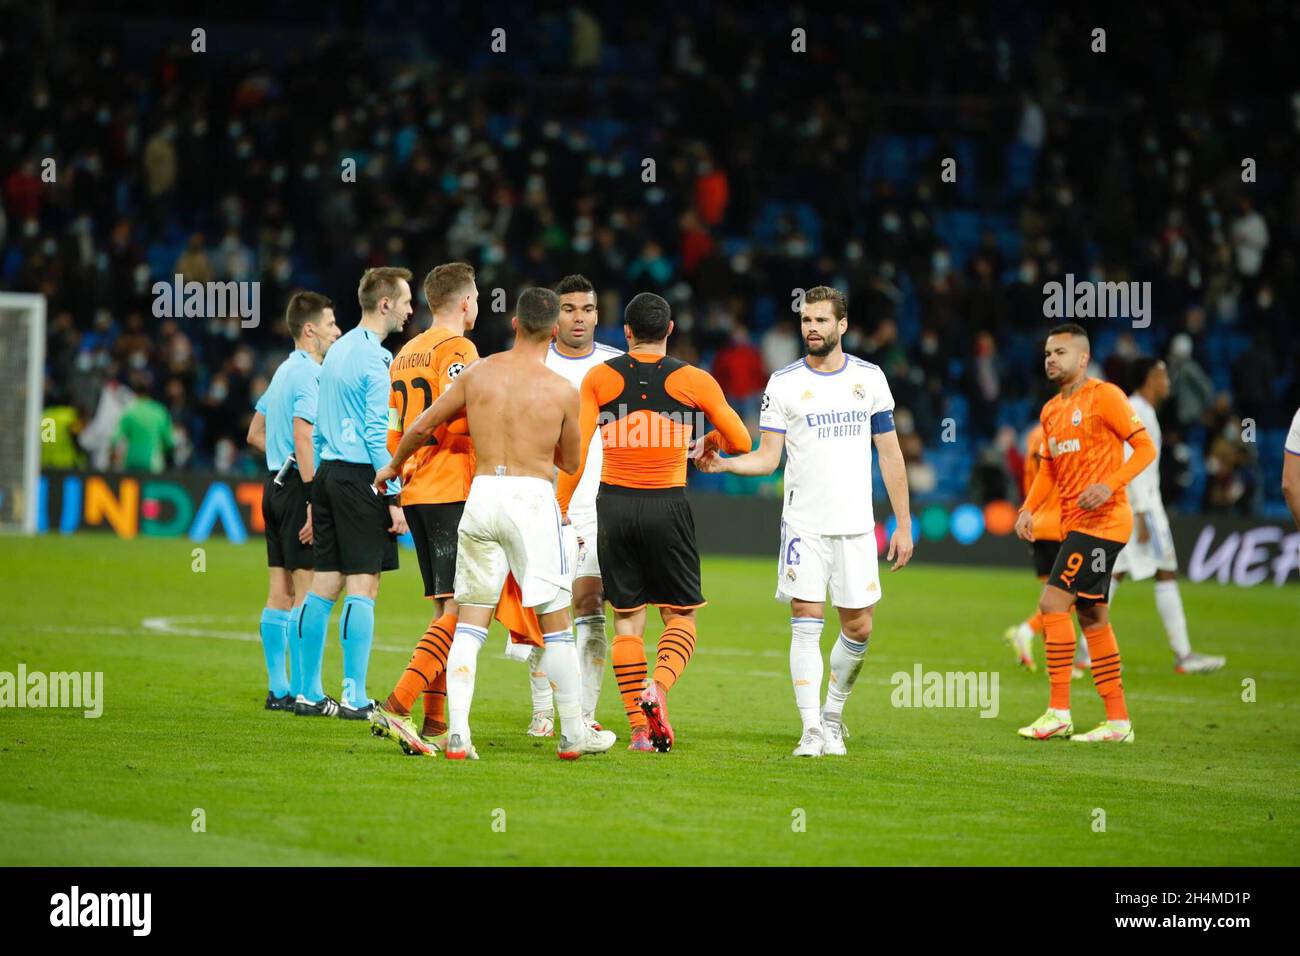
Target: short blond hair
380	283
444	282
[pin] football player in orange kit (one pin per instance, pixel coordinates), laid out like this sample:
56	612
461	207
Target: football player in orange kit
1046	544
1085	427
646	405
435	485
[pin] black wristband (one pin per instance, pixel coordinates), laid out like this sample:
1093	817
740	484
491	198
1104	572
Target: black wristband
393	501
306	490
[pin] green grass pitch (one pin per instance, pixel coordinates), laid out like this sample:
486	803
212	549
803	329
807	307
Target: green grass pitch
1212	779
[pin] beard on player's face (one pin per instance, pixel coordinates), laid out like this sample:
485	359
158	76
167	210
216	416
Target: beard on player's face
1065	369
825	344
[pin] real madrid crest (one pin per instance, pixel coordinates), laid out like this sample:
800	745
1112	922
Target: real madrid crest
859	391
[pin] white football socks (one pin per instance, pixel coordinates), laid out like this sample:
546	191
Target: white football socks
1170	605
806	668
539	683
593	647
560	661
462	663
846	662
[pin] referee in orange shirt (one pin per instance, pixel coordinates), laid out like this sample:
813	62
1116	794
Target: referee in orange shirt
647	406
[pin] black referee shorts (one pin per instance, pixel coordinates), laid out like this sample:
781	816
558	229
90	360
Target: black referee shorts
645	540
350	521
435	530
284	512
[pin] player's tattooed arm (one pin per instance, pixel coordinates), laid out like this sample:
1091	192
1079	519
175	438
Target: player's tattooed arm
893	469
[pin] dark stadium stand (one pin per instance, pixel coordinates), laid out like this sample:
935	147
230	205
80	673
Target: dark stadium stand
774	171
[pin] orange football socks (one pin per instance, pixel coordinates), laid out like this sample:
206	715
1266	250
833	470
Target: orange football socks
676	645
428	660
630	670
1058	637
435	706
1106	670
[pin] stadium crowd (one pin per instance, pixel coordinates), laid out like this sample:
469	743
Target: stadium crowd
773	170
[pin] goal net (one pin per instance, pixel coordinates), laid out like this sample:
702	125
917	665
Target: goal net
22	380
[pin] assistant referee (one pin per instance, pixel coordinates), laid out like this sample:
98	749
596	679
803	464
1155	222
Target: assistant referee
281	428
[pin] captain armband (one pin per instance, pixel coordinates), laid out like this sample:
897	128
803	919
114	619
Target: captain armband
882	422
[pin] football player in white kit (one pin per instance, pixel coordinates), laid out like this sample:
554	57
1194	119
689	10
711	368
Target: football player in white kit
826	411
573	352
1150	551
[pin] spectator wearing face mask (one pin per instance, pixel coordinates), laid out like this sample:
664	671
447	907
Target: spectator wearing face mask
1190	387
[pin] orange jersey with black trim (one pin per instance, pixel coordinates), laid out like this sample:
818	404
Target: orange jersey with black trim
1047	516
442	470
1082	445
647	408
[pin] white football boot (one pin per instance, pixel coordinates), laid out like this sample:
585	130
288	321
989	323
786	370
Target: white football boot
543	724
836	734
811	743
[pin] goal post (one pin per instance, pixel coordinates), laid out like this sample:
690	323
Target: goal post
22	394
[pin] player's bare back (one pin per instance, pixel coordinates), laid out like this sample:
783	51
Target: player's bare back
518	410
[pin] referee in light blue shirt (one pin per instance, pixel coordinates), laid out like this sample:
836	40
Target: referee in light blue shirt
355	530
282	429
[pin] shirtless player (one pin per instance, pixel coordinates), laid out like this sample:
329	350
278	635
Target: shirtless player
524	421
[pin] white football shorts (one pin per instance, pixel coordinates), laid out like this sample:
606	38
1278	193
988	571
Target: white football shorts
511	525
1141	561
584	525
809	564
